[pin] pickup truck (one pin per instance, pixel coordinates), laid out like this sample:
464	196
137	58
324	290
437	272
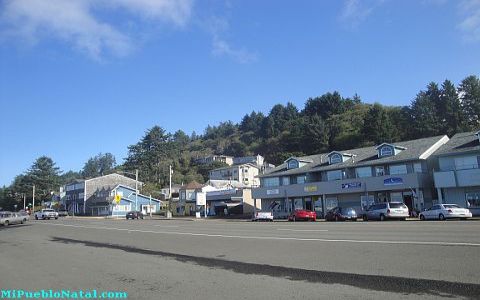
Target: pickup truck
46	213
263	216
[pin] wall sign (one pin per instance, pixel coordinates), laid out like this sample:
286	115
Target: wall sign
310	188
351	185
273	192
393	181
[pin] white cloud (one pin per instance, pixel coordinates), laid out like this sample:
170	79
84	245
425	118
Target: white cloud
470	24
355	12
75	22
218	28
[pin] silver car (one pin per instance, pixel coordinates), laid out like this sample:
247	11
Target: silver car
387	210
7	218
445	211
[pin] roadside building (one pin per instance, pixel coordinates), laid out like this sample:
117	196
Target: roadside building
120	200
80	193
186	204
256	160
243	173
215	158
352	178
457	178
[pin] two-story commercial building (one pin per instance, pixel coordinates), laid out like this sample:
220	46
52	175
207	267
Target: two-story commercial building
352	178
81	194
457	178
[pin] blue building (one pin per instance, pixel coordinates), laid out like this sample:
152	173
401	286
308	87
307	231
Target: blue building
124	199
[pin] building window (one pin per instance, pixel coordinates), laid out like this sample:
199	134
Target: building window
285	180
417	168
466	162
473	199
300	179
292	164
386	151
334	175
335	158
398	169
380	171
363	172
272	181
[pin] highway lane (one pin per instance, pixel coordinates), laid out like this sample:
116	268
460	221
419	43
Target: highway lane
332	255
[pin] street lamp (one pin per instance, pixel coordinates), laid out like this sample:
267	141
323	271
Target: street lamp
136	185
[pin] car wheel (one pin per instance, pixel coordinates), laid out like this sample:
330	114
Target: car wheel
365	218
36	218
294	219
336	219
422	217
441	217
56	218
6	223
354	219
382	217
22	221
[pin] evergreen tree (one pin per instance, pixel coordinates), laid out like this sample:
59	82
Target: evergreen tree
450	110
469	91
378	127
99	165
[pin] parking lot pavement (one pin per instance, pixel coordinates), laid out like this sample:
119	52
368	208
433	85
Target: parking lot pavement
215	259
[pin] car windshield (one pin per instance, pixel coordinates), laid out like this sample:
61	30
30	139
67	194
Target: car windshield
451	206
397	205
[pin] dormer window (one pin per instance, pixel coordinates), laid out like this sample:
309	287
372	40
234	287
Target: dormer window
389	150
292	164
386	151
336	158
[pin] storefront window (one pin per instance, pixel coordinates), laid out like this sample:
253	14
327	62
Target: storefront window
379	171
285	180
301	179
473	199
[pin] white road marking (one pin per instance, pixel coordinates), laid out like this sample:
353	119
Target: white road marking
286	229
274	237
166	226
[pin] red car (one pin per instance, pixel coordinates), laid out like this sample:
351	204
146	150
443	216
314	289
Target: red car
302	214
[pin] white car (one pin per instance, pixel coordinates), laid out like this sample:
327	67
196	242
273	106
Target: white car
46	213
8	218
445	211
263	216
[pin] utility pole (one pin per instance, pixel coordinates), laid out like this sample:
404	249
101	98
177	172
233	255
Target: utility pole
150	206
136	189
33	199
169	192
24	199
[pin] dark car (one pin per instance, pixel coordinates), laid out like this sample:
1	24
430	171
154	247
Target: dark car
134	215
62	213
341	214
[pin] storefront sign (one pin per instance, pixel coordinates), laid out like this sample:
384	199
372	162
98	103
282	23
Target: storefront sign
351	185
310	188
201	199
273	192
393	181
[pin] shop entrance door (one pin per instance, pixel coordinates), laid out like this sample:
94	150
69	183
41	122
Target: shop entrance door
408	200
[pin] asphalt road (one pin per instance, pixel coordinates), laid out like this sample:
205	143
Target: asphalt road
216	259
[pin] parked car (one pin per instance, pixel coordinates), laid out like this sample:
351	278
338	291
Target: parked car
134	215
301	214
341	214
445	211
46	213
386	210
62	213
263	216
8	218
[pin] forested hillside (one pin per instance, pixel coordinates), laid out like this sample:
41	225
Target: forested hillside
329	122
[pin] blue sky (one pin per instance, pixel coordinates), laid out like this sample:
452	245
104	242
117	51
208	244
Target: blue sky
82	77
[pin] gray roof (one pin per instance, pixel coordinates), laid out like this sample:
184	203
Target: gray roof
367	156
460	143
